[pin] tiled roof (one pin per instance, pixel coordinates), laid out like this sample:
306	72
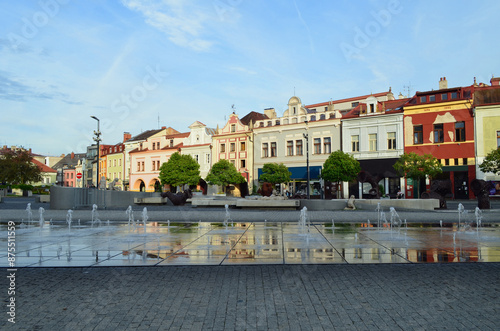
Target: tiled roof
211	131
43	167
253	117
67	160
144	135
487	96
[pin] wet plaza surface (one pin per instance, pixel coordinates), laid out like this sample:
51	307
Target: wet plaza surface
173	244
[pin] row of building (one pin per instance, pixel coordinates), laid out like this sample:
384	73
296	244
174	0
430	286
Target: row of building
459	126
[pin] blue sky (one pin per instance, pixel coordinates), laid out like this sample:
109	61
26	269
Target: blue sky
129	62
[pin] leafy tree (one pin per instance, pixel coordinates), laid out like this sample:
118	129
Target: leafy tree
16	167
340	167
413	165
492	162
224	173
180	170
275	173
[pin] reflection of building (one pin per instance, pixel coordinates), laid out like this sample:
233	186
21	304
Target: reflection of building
487	127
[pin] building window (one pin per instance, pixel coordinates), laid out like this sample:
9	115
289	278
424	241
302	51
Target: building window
273	150
142	166
294	111
423	99
460	131
391	140
233	162
464	161
354	104
222	148
298	147
243	146
233	127
313	118
432	98
232	147
498	139
196	158
444	96
289	147
265	150
327	145
454	95
153	166
138	166
372	108
372	140
438	133
317	145
171	143
355	143
243	163
418	134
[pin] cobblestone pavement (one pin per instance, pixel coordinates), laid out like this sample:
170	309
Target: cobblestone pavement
302	297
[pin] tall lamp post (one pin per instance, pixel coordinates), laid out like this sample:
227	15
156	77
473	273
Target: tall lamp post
306	135
97	139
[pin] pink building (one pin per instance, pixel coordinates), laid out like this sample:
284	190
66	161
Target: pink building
146	160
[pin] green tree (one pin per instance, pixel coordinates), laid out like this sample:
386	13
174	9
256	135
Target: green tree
492	162
16	168
417	167
340	167
180	170
275	173
224	173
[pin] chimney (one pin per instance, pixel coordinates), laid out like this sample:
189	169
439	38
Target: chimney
270	112
443	83
72	155
495	81
126	136
401	96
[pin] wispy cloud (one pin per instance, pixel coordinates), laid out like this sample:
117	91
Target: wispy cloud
243	70
15	90
183	24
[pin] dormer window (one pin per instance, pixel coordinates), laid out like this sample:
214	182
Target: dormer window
294	111
171	143
372	108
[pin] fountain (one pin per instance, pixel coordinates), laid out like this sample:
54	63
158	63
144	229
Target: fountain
479	217
461	211
130	214
145	218
395	219
69	218
303	221
30	214
227	216
41	210
95	216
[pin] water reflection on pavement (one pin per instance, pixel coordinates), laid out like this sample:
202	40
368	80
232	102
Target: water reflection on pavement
249	243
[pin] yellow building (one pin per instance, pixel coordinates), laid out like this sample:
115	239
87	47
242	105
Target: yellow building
487	126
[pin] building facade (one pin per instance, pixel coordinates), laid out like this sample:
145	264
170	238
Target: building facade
440	123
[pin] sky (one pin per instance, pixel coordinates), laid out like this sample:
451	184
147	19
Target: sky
139	65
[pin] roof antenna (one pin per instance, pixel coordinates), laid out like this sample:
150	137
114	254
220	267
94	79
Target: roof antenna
294	90
158	120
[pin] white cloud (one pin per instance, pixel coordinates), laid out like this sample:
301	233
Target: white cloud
183	24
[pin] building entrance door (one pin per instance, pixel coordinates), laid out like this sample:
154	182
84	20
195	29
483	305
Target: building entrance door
461	180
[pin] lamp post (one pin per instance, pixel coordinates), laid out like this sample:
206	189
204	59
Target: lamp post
306	135
97	139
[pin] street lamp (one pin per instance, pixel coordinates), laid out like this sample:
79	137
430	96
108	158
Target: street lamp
306	135
97	139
